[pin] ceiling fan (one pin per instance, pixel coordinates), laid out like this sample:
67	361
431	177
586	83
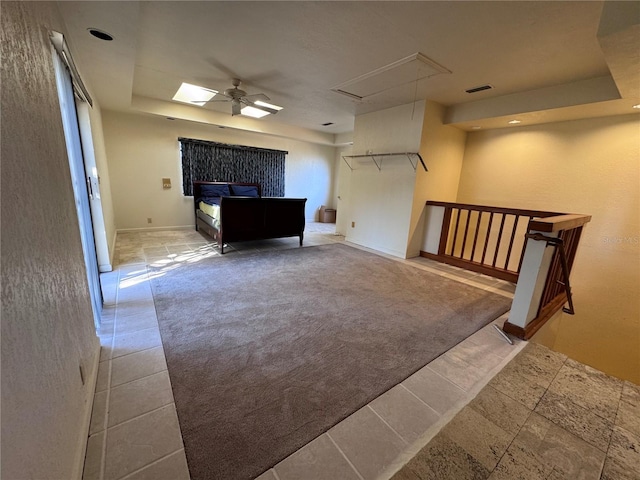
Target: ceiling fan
247	104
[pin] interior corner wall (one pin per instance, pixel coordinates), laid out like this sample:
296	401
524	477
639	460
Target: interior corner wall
47	321
585	166
144	149
381	200
442	149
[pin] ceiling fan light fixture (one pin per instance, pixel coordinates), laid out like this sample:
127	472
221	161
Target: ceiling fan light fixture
194	94
254	112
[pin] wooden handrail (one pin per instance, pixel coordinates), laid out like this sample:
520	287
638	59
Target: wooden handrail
559	222
486	208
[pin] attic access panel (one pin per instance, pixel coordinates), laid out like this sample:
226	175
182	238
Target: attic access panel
401	72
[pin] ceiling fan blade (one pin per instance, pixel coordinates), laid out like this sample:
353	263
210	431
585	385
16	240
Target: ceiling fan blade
257	96
235	107
259	107
213	101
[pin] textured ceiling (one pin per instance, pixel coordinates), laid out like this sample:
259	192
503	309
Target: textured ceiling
296	52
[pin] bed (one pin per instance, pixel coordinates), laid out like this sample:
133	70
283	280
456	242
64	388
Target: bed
237	212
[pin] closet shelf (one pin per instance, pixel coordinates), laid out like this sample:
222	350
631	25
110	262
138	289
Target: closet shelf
377	158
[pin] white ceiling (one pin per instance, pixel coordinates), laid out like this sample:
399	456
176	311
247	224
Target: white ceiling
297	51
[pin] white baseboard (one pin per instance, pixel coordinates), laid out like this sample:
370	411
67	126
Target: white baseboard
156	229
90	384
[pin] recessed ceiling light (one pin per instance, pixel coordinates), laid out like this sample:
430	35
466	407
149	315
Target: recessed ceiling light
636	106
101	34
514	122
193	94
476	127
253	112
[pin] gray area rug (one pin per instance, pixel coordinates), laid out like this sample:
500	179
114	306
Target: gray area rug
266	351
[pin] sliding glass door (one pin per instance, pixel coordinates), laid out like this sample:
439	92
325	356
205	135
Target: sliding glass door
79	180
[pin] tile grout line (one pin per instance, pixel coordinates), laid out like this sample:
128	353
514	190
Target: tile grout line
103	460
344	455
422	401
387	424
128	475
613	426
140	378
275	474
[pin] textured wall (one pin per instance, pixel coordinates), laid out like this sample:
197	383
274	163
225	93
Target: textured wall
47	324
586	166
143	149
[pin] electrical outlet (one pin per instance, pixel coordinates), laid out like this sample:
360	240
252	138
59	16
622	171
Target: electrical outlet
149	220
353	224
166	183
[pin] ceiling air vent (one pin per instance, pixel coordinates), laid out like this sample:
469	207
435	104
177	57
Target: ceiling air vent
479	89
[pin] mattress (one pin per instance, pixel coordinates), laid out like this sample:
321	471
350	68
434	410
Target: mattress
210	214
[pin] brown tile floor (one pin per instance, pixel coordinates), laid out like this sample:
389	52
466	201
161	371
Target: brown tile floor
544	416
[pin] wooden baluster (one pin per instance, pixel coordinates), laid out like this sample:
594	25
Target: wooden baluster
486	239
475	237
466	231
495	255
455	232
513	236
444	233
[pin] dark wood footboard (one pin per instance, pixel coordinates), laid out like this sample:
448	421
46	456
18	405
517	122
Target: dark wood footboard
246	218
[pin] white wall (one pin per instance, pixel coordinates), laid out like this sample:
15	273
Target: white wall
142	149
47	321
381	201
589	167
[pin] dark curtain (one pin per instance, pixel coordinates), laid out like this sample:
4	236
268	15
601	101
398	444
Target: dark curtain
219	162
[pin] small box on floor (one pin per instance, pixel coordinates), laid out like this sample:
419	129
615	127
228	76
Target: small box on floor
327	215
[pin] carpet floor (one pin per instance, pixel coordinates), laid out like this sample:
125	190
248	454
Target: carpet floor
267	351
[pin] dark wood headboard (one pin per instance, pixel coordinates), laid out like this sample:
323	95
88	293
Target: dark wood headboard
198	184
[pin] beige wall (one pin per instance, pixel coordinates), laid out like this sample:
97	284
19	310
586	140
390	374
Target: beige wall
47	322
142	149
442	149
590	167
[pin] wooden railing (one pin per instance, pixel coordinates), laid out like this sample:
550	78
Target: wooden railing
493	241
488	240
565	231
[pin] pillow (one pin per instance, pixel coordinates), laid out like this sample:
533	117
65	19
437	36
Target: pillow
245	190
215	190
210	200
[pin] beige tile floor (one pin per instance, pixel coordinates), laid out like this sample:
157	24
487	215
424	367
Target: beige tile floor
135	433
544	416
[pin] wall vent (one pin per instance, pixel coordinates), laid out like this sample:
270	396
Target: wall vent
479	89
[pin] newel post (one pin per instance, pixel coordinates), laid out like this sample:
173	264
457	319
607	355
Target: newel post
531	281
